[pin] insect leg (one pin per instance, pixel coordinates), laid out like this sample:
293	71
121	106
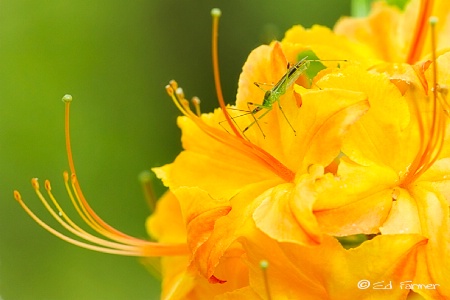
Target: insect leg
258	107
287	120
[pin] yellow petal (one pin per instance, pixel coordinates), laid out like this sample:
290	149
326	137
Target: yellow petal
229	169
403	217
212	226
200	213
322	122
438	177
285	213
327	45
380	135
328	271
244	293
167	212
382	31
434	259
358	202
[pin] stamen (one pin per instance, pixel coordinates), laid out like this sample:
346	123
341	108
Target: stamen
171	89
420	31
433	21
179	92
173	84
112	240
215	13
196	102
129	252
432	139
146	178
264	265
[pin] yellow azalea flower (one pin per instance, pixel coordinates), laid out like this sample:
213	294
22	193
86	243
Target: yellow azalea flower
396	36
397	175
387	35
240	186
363	150
399	168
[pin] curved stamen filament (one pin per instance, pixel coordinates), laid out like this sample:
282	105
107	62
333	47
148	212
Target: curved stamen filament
433	139
112	240
88	211
144	248
420	31
68	224
215	13
86	214
18	197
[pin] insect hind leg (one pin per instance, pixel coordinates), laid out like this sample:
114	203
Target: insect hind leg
257	108
287	120
233	118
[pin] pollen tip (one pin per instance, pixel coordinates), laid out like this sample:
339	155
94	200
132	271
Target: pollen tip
67	98
216	12
35	183
263	264
73	178
180	93
145	176
173	84
66	176
47	185
433	20
169	90
17	196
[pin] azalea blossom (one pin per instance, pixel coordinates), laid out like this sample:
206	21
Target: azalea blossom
403	102
262	199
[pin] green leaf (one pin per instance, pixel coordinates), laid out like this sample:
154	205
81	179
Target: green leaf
314	67
352	241
398	3
360	8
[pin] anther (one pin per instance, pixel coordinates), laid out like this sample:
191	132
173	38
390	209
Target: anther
179	92
169	90
47	185
35	183
433	20
216	12
173	84
17	196
264	265
73	179
196	102
67	98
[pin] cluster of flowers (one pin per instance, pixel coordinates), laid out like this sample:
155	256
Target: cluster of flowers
361	154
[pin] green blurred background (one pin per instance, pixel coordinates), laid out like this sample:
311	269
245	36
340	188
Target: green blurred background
114	57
